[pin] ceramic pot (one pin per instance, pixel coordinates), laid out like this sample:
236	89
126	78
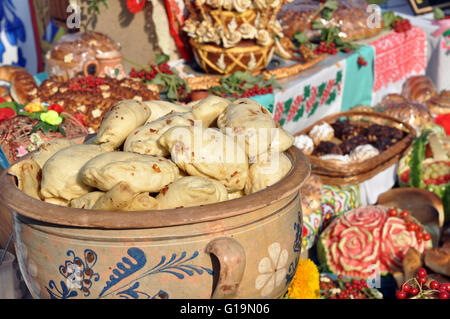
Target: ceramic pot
244	248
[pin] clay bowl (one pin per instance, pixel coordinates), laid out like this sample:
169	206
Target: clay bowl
424	205
244	248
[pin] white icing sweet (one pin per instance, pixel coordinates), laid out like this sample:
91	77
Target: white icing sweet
263	38
304	143
247	31
321	132
241	5
363	152
229	39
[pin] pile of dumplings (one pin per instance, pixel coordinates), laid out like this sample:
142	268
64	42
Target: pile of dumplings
160	155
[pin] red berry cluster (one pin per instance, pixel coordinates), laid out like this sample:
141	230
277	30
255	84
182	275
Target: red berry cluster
422	289
86	84
361	61
401	25
410	224
353	289
324	48
150	75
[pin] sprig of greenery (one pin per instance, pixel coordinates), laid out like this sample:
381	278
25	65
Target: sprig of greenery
438	13
239	82
327	10
94	5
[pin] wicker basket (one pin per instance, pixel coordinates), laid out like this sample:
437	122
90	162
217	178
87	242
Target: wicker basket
245	57
336	173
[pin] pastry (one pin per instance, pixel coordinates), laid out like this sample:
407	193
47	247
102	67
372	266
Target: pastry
144	139
143	173
392	99
412	262
191	191
208	110
311	193
121	120
82	53
345	130
304	143
350	16
28	174
417	115
60	172
48	149
335	157
321	133
86	201
92	97
142	201
162	108
440	104
363	152
419	89
349	145
213	155
116	198
325	148
23	86
438	259
268	170
254	128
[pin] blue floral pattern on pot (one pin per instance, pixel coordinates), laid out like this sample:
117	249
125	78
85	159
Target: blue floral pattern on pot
79	275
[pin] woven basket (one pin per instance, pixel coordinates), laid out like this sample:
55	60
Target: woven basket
237	58
337	173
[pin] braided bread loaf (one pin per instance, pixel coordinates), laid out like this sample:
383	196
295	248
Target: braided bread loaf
419	89
23	86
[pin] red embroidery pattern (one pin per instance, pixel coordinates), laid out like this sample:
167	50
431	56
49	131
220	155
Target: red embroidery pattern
397	55
294	107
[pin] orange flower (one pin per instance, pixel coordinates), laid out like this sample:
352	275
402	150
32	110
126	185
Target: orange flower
34	107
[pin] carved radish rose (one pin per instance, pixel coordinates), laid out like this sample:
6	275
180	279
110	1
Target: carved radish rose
366	241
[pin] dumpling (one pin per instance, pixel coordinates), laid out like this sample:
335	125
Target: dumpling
28	173
143	140
142	201
57	201
269	169
208	153
86	201
60	172
144	173
121	120
117	198
254	127
162	108
191	191
47	150
209	109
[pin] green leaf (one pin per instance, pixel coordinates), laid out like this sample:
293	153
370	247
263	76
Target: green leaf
317	25
160	58
300	38
327	14
158	80
438	14
331	4
62	131
9	105
417	157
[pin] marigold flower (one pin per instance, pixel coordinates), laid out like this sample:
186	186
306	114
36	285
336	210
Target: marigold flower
34	107
305	284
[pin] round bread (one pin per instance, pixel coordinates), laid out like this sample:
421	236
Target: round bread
417	115
67	57
440	104
419	89
310	193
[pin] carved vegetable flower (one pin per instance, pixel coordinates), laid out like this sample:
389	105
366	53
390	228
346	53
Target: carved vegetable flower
247	31
241	5
190	27
272	270
276	28
214	3
34	107
263	38
260	4
51	117
229	39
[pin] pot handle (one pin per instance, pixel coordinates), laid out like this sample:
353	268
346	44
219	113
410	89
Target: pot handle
89	64
231	256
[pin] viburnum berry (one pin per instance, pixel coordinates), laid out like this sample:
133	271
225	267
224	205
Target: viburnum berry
422	272
443	295
422	280
427	237
413	291
434	285
401	294
406	287
404	213
362	61
392	212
